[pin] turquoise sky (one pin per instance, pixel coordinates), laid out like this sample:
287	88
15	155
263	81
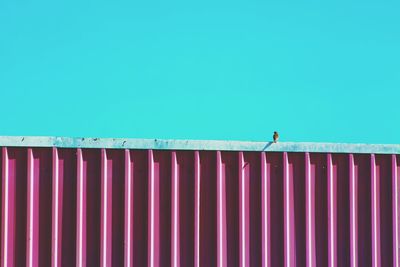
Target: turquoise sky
238	70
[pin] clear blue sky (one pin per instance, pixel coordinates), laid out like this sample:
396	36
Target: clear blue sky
238	70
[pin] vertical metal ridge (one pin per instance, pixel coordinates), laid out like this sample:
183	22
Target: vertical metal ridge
221	214
197	209
353	213
288	214
286	201
332	208
244	213
33	213
153	249
395	211
106	212
151	210
175	257
128	210
310	213
103	225
265	206
7	252
56	220
375	214
81	210
30	200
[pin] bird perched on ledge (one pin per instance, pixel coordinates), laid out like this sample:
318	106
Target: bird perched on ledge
275	137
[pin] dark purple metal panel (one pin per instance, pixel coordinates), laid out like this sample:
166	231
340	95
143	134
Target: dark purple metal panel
14	206
120	207
384	206
275	171
362	172
208	209
340	174
186	187
297	212
230	169
140	212
92	201
64	197
319	217
160	208
252	163
115	227
43	175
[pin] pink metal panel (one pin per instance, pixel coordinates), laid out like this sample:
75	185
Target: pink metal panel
126	207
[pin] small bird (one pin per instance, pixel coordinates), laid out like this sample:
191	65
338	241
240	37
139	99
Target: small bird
275	137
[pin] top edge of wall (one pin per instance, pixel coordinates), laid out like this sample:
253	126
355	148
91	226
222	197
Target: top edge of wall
212	145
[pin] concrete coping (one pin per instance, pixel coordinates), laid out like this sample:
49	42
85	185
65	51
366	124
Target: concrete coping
211	145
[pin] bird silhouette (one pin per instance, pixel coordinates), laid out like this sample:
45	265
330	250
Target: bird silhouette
275	137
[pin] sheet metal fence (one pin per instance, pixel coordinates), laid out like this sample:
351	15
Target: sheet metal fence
131	207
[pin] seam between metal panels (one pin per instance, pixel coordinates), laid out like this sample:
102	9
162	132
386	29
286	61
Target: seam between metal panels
374	208
128	199
309	212
197	208
287	209
394	175
332	218
104	218
165	144
31	184
220	207
175	209
80	203
5	203
353	214
55	206
151	212
242	198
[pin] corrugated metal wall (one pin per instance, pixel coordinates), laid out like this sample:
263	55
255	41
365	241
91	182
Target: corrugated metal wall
116	207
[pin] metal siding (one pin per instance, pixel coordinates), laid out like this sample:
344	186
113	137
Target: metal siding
127	207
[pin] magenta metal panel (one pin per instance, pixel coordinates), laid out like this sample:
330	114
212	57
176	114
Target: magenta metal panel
131	207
